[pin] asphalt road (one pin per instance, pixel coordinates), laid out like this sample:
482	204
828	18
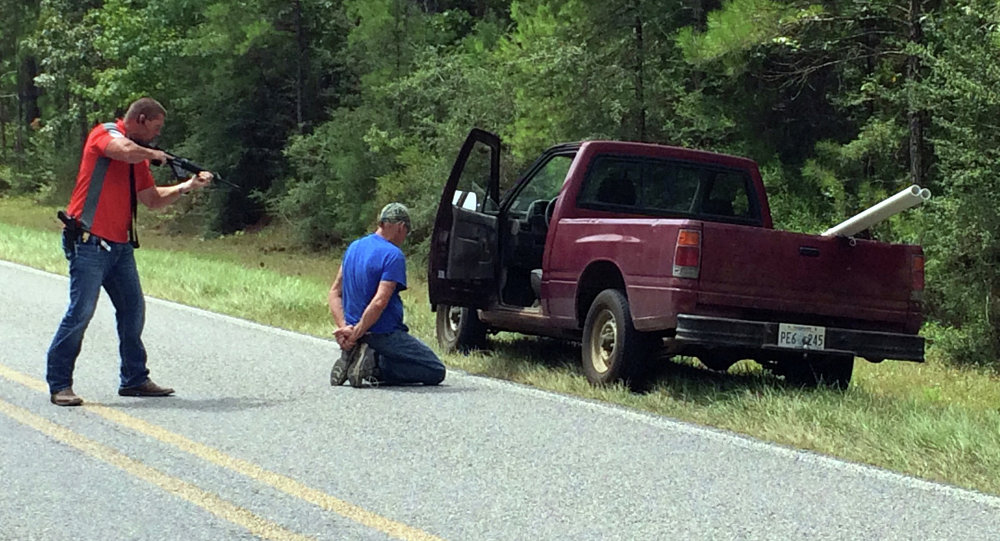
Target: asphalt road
257	444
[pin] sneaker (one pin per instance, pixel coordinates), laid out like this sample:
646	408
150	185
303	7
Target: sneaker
362	371
338	375
146	389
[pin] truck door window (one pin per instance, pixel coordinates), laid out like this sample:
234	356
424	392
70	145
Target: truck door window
471	191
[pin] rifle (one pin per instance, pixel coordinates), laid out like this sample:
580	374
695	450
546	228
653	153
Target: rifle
182	166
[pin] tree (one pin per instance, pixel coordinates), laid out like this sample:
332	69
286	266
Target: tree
963	248
18	66
414	100
840	80
255	98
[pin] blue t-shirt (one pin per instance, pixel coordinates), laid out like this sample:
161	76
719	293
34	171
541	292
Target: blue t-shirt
368	261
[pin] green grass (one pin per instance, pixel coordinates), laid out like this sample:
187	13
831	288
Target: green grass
930	420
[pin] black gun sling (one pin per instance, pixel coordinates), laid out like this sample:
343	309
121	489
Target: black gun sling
133	237
94	193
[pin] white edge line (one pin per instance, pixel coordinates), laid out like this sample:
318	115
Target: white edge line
191	309
748	442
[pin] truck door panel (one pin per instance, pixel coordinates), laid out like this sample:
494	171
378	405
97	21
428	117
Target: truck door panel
472	249
462	266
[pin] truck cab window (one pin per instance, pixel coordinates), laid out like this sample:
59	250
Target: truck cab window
669	187
657	187
727	196
611	183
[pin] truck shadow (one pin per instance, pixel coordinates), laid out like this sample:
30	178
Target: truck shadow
685	376
680	376
518	353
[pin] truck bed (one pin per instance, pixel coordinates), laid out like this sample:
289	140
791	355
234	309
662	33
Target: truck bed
764	274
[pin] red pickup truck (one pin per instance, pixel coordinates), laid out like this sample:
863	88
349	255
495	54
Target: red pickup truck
633	247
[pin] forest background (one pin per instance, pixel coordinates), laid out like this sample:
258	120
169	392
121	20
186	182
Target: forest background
320	111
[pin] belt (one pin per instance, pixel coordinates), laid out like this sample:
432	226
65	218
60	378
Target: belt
86	236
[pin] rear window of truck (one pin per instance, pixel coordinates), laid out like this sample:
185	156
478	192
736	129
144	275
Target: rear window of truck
668	188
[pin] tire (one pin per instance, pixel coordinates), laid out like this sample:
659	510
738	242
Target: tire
833	371
613	351
459	329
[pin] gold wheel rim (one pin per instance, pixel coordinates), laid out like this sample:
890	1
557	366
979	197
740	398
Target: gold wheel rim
602	341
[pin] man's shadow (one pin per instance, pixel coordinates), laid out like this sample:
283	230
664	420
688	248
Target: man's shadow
221	404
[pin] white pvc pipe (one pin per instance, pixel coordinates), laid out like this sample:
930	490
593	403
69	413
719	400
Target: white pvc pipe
908	198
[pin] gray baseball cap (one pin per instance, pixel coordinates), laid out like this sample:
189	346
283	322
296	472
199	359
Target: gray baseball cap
395	213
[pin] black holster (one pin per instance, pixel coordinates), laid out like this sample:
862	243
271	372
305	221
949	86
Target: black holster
72	226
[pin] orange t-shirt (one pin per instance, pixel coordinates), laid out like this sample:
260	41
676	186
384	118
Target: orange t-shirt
110	212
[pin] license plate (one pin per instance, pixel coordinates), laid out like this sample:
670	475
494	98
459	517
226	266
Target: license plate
801	336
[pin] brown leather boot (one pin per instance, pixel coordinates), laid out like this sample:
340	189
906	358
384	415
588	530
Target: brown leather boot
146	389
66	397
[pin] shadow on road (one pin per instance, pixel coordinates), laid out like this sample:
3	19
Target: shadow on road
222	404
416	388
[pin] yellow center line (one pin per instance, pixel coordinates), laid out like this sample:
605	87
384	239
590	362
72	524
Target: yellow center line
246	468
212	503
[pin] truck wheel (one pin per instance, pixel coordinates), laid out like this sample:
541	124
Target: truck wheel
613	350
459	329
833	370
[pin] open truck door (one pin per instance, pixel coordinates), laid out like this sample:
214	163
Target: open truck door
462	268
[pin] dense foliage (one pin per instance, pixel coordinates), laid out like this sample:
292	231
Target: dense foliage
322	110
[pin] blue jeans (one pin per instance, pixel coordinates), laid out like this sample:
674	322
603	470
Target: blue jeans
403	359
92	266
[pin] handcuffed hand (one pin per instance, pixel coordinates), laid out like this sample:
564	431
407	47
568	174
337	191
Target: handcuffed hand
345	337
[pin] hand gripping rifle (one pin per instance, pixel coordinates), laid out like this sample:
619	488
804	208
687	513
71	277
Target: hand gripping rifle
182	166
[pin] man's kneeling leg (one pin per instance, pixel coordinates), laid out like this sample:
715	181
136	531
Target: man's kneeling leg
406	360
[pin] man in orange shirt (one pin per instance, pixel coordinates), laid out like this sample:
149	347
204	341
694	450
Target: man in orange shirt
114	174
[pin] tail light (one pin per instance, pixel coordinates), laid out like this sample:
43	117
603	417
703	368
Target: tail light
917	277
687	253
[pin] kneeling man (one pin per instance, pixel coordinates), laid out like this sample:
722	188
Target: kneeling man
377	348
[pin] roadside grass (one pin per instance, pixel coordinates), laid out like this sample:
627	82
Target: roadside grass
932	420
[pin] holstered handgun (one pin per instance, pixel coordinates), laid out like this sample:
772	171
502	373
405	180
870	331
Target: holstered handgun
73	227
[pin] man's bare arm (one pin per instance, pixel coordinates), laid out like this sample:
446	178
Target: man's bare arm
157	197
374	309
124	149
335	299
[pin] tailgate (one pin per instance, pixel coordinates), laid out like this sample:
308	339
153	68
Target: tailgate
764	273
